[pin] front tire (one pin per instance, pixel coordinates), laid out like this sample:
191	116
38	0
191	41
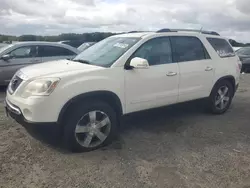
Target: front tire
89	126
221	97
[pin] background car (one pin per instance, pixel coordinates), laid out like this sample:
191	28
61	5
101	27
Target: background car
244	55
73	43
2	45
85	46
18	55
236	48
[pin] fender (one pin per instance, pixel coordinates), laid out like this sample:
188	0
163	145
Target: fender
107	96
230	78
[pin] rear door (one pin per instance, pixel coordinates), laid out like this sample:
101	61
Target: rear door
50	53
196	67
20	57
228	63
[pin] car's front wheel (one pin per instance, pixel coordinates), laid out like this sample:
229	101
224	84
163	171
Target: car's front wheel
221	97
89	126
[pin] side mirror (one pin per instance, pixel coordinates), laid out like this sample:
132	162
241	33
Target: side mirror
139	63
6	57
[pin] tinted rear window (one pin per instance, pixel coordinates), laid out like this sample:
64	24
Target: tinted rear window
222	47
188	49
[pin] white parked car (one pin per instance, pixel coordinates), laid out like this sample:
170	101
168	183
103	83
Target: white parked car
21	54
120	75
236	48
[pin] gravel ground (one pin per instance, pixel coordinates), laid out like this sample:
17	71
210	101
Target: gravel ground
2	93
178	146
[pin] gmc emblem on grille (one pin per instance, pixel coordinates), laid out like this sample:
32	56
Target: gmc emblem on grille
14	82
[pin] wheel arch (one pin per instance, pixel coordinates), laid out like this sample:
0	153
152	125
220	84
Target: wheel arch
229	78
107	96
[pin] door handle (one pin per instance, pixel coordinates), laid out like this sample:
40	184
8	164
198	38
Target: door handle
171	74
208	69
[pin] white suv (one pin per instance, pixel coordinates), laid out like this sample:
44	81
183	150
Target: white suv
120	75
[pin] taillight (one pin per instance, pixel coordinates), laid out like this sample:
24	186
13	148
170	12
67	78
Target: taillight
239	65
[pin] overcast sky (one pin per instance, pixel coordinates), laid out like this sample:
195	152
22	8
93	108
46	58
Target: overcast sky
231	18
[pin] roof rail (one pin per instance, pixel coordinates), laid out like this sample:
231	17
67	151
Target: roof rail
189	30
137	31
133	31
163	30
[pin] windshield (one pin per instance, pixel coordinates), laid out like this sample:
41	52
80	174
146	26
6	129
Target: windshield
107	51
243	51
3	48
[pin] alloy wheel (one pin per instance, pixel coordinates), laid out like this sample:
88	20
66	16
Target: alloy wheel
92	129
222	98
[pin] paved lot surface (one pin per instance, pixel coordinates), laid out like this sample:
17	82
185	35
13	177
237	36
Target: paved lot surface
180	146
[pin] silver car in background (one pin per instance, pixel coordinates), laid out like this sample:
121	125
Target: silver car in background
2	45
85	46
18	55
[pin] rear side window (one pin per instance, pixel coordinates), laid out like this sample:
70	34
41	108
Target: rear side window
50	51
188	49
222	47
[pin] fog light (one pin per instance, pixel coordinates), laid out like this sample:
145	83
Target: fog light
27	113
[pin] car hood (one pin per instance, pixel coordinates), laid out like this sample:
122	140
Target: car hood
55	67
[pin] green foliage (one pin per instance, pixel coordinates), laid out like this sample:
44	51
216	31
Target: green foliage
7	38
85	37
235	43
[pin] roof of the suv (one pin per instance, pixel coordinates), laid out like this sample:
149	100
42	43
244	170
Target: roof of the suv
138	34
180	33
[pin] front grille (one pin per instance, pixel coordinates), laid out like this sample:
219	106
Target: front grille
14	83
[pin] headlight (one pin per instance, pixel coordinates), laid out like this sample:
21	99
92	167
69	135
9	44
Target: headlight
40	87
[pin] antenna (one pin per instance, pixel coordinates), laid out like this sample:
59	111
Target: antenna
201	29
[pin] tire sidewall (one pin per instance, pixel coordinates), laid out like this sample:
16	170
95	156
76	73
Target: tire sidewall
214	93
76	114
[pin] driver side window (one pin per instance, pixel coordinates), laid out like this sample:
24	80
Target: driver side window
157	51
24	52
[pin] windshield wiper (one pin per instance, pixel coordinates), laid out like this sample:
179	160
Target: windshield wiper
81	61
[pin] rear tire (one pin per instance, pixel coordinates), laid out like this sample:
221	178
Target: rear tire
89	126
221	97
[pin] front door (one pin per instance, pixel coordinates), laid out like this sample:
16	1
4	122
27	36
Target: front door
19	57
157	85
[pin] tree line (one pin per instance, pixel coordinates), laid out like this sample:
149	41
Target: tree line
85	37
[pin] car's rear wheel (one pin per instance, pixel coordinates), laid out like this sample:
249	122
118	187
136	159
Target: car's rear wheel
90	126
221	97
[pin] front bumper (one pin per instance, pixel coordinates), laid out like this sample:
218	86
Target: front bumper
33	109
11	108
15	113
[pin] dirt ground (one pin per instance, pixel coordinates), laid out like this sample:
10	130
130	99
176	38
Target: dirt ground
177	146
